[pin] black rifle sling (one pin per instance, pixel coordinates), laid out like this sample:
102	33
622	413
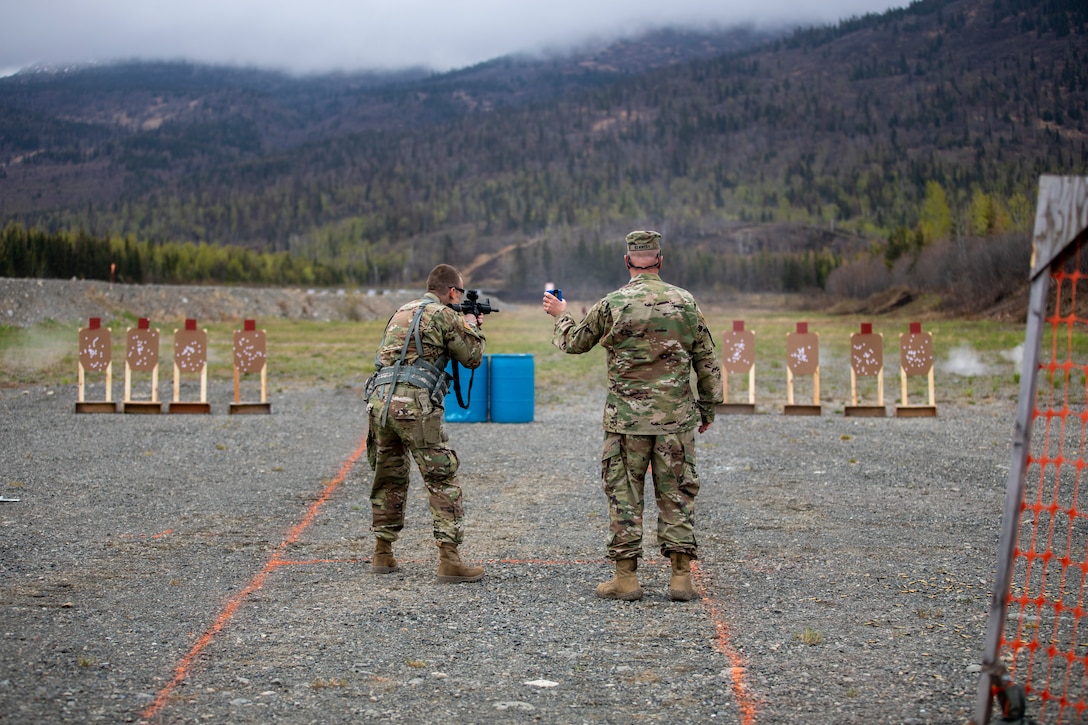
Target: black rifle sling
457	385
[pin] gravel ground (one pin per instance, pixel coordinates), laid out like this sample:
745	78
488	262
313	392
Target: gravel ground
214	568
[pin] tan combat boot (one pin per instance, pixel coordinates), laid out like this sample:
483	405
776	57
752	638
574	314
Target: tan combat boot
680	588
624	585
383	562
450	568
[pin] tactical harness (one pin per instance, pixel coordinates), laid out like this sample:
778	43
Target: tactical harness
420	373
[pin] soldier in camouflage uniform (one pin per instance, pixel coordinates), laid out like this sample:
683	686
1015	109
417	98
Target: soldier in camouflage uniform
655	336
405	398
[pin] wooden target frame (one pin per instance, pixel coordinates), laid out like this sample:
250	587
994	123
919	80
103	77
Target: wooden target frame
250	356
802	360
738	358
142	355
190	356
866	360
916	360
95	355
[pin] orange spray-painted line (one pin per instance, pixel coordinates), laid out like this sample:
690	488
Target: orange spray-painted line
184	666
746	702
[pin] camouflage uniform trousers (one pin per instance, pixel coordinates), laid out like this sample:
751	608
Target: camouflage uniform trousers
414	427
623	470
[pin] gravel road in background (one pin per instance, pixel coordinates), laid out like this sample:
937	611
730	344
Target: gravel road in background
845	571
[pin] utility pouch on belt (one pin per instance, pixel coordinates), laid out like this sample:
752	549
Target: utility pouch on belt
421	374
371	385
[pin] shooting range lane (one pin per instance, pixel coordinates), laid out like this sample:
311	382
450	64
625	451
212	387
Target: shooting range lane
165	567
512	607
132	532
184	667
187	567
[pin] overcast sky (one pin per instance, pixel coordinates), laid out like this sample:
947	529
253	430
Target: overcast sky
325	35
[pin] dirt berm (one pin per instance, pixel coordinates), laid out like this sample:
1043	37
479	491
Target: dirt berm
25	302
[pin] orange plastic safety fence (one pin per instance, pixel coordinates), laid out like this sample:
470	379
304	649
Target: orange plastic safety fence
1045	641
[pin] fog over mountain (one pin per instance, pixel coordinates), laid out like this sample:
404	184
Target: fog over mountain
330	35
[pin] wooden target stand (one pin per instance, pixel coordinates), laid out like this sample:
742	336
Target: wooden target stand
190	356
142	355
738	358
250	357
96	355
866	360
802	360
916	360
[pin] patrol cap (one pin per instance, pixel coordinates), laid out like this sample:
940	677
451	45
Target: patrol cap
642	241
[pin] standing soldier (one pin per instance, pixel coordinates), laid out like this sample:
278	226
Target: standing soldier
655	336
405	398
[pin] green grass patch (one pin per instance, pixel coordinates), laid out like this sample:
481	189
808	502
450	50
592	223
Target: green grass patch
810	637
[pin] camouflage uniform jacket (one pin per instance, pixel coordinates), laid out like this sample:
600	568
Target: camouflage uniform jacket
655	336
443	334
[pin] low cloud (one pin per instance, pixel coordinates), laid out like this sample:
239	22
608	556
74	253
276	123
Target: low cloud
325	35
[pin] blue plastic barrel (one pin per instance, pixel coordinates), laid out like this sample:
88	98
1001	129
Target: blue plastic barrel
477	401
512	388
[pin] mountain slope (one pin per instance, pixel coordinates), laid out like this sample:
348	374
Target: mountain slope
814	143
155	123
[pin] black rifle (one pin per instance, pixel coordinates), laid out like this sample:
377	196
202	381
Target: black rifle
471	306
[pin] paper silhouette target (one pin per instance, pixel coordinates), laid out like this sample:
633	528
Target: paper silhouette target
738	351
190	350
803	352
738	358
916	360
95	355
142	355
866	354
142	352
802	359
916	353
95	348
249	350
190	356
866	361
249	357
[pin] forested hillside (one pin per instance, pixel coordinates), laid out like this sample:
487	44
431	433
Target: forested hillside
768	164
